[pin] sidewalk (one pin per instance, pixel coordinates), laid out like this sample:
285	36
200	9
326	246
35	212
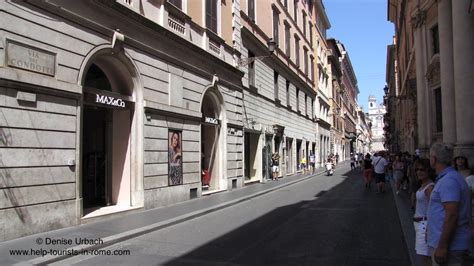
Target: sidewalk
405	213
114	230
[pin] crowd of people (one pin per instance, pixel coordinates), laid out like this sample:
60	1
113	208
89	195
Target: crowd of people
440	188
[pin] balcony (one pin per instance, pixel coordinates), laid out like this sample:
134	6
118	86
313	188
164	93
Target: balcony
181	24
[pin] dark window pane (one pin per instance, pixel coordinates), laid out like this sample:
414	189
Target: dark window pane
211	15
275	26
275	84
251	10
295	10
287	93
287	41
251	70
297	99
435	39
176	3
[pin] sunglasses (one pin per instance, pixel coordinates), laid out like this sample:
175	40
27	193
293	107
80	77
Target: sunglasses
420	169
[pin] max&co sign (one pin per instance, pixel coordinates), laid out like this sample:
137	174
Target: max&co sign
210	120
106	99
109	100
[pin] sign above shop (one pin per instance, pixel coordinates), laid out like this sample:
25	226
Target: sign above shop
30	58
211	120
106	99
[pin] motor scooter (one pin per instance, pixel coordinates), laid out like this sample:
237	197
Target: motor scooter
329	169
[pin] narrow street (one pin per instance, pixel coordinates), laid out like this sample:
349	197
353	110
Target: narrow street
321	221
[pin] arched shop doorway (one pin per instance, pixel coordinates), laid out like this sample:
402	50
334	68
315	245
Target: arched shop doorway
213	131
107	117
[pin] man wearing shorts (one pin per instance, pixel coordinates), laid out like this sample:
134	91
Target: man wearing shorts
380	164
275	165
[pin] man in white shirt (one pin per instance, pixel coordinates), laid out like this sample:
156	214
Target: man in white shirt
380	165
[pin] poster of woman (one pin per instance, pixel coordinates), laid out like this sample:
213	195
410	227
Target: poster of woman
175	158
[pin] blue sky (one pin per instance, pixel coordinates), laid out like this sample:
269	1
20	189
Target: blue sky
362	26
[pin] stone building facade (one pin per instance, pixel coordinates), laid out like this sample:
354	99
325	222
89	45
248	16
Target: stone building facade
433	64
110	107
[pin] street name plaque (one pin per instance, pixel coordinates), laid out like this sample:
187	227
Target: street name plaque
30	58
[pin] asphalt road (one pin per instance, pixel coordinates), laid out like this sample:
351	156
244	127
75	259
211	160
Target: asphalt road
322	221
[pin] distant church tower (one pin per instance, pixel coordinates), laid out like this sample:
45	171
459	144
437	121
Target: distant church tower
372	103
376	113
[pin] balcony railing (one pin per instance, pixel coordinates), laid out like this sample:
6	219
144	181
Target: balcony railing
177	21
176	24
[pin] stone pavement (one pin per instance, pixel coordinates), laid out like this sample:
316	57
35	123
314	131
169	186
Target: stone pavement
118	229
114	230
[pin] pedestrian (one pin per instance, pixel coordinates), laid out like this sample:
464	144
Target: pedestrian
406	165
414	182
380	166
352	161
388	170
312	162
397	167
424	175
448	231
275	166
368	171
337	158
303	164
462	165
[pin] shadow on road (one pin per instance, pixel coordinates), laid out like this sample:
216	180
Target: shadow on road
346	225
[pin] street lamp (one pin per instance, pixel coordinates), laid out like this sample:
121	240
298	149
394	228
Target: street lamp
246	61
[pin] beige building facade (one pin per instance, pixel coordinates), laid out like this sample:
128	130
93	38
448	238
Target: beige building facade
432	69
